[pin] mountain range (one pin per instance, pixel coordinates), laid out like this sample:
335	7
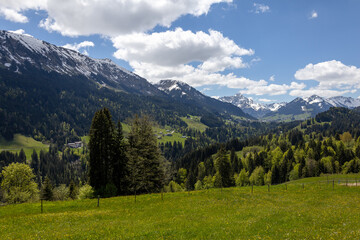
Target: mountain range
43	87
299	108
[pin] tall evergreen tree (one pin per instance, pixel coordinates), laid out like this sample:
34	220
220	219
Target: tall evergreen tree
101	148
223	168
35	165
47	190
146	174
119	162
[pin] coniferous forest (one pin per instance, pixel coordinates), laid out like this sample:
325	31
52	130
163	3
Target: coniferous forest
112	164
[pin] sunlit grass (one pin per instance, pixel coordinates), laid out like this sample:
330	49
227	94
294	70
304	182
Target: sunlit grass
286	212
22	142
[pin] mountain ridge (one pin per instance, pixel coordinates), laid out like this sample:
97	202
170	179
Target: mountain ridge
307	106
185	93
16	50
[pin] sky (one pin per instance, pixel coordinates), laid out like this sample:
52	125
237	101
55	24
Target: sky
268	50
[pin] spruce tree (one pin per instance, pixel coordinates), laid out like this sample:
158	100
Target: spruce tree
223	168
47	190
119	162
35	165
101	148
72	190
146	174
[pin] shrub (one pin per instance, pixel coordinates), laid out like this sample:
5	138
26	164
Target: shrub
61	193
198	185
86	191
243	178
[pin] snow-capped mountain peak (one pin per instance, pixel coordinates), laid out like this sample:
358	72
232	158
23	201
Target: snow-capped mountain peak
249	106
17	50
341	101
314	99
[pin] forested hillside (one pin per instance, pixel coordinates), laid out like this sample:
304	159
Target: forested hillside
329	143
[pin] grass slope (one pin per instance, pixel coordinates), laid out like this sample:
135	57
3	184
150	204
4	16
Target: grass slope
194	122
21	142
234	213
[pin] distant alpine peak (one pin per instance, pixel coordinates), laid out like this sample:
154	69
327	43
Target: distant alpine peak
340	101
314	99
170	85
241	101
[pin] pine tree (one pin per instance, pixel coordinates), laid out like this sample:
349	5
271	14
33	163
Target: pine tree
47	190
35	165
223	168
22	156
146	174
72	190
101	148
119	162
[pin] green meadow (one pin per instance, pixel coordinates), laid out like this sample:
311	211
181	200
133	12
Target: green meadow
21	142
287	211
194	122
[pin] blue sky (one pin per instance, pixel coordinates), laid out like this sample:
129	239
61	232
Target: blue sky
270	50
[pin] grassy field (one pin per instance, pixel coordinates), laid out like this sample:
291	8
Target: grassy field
21	142
315	212
194	122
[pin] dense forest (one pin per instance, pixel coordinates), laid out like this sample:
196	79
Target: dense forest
329	143
257	153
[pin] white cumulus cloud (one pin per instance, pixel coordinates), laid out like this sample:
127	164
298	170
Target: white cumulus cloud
12	10
313	15
272	89
114	17
333	77
331	74
195	58
78	46
261	8
21	31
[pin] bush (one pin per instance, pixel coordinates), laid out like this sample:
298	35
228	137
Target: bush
86	191
208	182
243	178
173	187
61	193
198	185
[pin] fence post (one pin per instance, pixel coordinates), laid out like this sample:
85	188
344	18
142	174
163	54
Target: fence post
98	205
41	206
